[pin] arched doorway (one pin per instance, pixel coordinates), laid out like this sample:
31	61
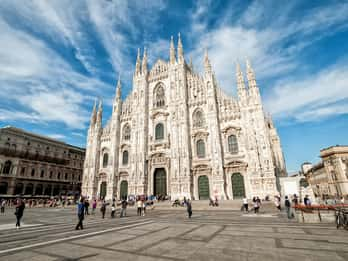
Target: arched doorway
160	182
29	189
203	187
124	189
102	190
56	190
38	190
3	188
48	190
19	189
238	188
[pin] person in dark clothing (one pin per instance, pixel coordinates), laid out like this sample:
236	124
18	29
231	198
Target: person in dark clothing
80	213
189	208
113	210
19	212
103	208
288	207
86	207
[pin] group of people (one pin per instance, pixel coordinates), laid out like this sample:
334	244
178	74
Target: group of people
256	201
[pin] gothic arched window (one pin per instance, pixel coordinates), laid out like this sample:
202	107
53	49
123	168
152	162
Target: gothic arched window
200	146
198	119
125	157
159	131
232	144
7	167
126	132
105	160
159	96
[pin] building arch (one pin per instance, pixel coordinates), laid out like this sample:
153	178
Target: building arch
29	189
238	187
19	188
198	118
125	157
124	189
7	167
159	96
39	189
200	148
3	188
203	187
160	182
159	131
105	159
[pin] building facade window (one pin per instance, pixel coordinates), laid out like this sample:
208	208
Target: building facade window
105	160
58	176
126	132
200	147
159	96
33	172
159	131
232	144
198	119
42	174
125	157
7	167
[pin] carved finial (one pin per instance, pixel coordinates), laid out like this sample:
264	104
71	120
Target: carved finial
172	51
144	64
137	65
100	111
118	88
94	113
240	81
207	65
180	50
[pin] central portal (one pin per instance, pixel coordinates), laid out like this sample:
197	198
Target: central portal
160	182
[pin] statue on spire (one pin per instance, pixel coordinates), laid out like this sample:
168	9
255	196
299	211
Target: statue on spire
100	112
172	51
144	63
180	50
118	88
137	65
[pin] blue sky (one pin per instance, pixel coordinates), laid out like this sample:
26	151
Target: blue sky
56	57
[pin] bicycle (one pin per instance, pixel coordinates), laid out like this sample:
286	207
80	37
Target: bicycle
341	218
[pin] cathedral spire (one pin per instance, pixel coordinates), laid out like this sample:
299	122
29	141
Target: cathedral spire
191	63
207	65
137	65
118	88
100	112
180	51
253	89
240	82
172	51
144	63
94	114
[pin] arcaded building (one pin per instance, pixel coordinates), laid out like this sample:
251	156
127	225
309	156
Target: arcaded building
35	165
178	134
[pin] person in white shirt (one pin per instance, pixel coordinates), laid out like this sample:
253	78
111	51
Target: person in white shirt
245	204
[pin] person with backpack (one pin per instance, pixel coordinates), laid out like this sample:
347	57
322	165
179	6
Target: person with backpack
80	213
124	204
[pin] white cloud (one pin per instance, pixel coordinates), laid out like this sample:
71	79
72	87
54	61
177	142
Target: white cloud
57	136
311	98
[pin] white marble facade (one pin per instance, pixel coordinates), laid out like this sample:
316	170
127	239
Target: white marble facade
177	133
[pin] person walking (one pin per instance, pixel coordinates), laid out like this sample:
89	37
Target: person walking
103	208
86	207
3	204
113	210
80	213
288	207
245	204
94	206
139	207
257	205
189	208
19	212
124	204
144	207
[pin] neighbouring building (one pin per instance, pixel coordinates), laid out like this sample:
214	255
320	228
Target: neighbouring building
178	134
35	165
329	178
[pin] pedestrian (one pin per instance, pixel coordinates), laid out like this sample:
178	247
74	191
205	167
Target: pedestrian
94	206
124	204
288	207
277	202
86	207
245	206
3	203
257	205
295	200
19	212
103	208
189	208
144	207
139	207
113	210
80	213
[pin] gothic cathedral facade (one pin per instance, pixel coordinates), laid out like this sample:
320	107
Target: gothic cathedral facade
178	134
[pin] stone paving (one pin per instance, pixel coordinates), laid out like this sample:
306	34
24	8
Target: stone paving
48	234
